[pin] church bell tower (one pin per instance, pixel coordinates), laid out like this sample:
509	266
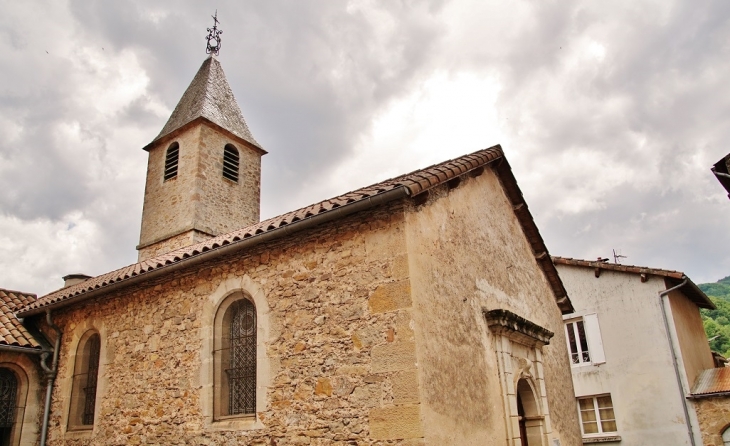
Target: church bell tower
204	168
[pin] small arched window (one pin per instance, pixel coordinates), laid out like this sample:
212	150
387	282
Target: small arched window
235	358
83	391
171	160
726	437
231	160
8	403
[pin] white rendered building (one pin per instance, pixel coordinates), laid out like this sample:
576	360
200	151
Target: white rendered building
637	345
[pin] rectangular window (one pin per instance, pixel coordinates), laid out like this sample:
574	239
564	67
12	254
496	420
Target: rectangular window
577	342
596	415
584	340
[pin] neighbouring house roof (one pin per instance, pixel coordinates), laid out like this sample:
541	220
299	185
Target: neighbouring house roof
719	360
208	97
674	278
412	184
12	332
721	173
712	382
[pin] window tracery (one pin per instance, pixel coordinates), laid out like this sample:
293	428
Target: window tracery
235	358
8	404
85	382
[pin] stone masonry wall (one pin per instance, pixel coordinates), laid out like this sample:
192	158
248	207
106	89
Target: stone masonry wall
223	205
178	241
167	206
29	396
199	197
341	347
713	415
467	254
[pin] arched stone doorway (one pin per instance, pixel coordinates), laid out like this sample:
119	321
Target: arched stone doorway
530	419
518	344
8	404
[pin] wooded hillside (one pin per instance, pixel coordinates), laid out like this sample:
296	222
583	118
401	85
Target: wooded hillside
717	322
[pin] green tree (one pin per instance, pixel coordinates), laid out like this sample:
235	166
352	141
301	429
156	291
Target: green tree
717	322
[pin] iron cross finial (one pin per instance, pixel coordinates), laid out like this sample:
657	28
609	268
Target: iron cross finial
214	37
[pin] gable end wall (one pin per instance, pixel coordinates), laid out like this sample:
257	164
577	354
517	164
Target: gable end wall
467	253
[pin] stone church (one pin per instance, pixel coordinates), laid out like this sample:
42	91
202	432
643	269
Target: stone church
421	310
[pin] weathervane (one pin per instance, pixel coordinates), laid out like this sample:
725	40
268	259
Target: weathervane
214	37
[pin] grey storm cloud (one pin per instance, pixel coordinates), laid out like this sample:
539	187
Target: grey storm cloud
612	114
651	110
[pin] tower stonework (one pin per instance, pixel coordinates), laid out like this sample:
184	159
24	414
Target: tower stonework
195	201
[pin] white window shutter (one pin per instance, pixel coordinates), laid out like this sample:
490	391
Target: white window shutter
595	343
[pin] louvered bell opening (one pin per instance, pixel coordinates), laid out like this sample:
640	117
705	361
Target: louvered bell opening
230	163
171	159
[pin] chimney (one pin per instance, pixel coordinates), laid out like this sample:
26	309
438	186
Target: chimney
73	279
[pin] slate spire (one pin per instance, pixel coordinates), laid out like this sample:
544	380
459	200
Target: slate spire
209	97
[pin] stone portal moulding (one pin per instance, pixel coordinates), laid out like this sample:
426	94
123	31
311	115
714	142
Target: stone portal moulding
517	328
518	346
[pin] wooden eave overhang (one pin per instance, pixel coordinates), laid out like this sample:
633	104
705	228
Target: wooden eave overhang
672	278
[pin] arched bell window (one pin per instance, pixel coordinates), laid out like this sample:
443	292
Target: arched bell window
171	160
86	373
8	404
231	160
235	358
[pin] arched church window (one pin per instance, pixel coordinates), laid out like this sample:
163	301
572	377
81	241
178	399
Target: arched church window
231	160
726	437
171	160
86	373
8	403
235	354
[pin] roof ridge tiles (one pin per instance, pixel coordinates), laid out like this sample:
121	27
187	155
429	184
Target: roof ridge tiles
690	290
457	166
614	266
12	331
16	292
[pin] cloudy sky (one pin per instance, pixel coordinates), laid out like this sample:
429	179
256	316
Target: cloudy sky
610	113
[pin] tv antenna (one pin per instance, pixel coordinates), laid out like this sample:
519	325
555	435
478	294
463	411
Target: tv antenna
617	257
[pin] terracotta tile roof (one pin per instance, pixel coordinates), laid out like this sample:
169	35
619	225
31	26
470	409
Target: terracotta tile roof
12	332
712	381
209	96
412	184
618	267
673	277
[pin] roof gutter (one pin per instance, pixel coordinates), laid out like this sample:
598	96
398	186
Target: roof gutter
18	349
708	395
51	373
672	349
274	234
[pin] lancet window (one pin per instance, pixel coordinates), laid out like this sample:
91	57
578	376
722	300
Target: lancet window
235	359
85	380
171	161
231	160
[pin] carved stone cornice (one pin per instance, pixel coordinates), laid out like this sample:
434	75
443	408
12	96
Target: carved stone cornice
517	328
